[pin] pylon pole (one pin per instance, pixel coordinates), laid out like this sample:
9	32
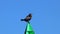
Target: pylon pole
29	29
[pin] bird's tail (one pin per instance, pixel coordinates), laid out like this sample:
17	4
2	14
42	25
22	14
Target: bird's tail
22	19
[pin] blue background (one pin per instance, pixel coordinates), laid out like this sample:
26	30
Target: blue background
45	20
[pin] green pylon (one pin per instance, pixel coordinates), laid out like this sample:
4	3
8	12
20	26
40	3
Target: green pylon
29	29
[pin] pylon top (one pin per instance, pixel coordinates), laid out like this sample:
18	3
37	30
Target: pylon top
29	29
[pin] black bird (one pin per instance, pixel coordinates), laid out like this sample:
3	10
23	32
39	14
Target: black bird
28	18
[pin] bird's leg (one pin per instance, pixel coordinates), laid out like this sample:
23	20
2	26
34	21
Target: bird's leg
28	22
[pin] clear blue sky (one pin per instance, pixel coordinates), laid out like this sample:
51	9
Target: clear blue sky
45	20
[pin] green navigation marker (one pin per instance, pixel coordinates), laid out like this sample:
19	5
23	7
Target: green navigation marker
29	29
